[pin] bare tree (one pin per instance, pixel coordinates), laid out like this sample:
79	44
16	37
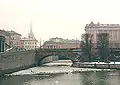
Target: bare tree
103	46
87	46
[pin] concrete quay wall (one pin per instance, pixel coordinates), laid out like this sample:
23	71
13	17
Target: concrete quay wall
14	61
99	66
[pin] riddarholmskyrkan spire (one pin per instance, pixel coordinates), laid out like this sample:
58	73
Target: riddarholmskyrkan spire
31	34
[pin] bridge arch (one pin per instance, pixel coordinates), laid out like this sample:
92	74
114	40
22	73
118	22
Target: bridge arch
54	57
42	54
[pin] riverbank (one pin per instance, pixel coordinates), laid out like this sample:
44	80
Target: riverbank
54	70
97	65
57	67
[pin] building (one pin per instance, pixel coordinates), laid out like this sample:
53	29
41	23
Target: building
4	40
10	38
30	42
113	31
6	35
61	43
14	38
2	44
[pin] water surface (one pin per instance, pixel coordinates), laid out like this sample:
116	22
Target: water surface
83	78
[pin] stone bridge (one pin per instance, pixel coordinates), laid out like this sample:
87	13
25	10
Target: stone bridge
67	53
15	61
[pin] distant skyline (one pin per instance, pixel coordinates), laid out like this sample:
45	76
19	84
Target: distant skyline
56	18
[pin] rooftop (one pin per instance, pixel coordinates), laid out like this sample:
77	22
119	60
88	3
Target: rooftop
13	32
98	25
61	40
27	39
4	32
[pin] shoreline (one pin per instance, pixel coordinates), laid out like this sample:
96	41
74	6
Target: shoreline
96	65
59	70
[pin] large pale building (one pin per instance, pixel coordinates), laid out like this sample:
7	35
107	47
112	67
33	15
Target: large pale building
60	43
30	42
113	31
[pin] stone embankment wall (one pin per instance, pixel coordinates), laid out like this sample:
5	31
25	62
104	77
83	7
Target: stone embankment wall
14	61
100	66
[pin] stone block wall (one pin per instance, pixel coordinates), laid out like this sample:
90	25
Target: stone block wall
13	60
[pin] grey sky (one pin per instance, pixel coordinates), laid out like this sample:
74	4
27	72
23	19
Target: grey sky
56	18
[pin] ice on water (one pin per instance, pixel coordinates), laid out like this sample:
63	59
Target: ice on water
54	69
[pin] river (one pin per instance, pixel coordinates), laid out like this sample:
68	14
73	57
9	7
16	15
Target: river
81	78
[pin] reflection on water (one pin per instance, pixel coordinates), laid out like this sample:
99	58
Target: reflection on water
83	78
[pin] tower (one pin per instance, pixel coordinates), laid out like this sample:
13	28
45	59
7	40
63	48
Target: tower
31	34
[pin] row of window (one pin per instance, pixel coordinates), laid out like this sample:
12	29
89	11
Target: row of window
52	46
29	46
30	43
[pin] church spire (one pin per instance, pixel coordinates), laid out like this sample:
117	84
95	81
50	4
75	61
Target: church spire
31	34
31	27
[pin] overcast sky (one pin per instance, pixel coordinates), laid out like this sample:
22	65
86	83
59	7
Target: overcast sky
56	18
